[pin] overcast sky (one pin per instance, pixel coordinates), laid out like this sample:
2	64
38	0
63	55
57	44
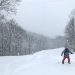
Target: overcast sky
48	17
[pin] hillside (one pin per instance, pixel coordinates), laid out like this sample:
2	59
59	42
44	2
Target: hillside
14	40
47	62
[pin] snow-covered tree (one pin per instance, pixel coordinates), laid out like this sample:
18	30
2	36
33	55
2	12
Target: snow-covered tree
70	33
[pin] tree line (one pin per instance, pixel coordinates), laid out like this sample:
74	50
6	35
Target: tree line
14	40
70	31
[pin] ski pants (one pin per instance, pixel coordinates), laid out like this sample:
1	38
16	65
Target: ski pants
65	58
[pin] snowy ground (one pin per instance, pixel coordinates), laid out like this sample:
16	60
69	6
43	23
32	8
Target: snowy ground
46	62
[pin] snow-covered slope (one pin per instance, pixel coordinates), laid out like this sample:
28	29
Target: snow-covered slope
47	62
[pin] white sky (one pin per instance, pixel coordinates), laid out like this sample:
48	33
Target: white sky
48	17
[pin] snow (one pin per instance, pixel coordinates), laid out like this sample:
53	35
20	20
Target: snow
47	62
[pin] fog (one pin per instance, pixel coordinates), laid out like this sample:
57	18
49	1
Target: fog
47	17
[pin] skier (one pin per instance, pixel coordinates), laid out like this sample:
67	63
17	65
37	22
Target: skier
66	52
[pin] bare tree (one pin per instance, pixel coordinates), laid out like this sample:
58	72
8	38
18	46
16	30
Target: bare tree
8	5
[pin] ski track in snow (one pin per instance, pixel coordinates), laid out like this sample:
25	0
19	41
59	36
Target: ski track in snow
47	62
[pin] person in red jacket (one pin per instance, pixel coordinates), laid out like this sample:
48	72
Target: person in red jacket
66	52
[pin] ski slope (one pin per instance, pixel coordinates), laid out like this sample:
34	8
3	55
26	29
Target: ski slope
47	62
